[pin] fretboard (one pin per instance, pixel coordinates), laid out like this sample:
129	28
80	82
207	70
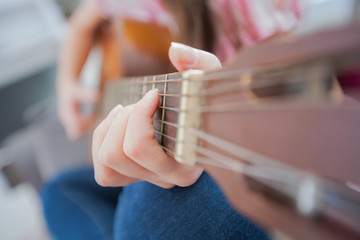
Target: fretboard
130	90
262	86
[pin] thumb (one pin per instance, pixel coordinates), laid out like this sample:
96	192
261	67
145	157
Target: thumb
184	57
143	111
140	121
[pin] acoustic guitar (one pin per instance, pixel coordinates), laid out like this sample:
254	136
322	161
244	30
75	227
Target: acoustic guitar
273	129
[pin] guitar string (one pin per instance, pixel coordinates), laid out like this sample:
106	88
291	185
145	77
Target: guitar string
167	136
285	180
256	171
219	160
226	88
282	178
231	73
233	87
216	76
233	149
293	103
251	157
233	107
255	106
277	175
281	189
213	162
199	149
259	105
229	88
166	123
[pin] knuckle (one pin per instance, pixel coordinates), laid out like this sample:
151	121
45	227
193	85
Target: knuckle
131	149
106	155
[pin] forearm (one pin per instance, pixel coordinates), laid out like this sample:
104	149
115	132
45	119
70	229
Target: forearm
78	41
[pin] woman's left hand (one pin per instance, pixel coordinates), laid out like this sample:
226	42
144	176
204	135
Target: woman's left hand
125	149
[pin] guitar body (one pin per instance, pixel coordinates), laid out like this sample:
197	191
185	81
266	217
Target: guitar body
143	44
127	44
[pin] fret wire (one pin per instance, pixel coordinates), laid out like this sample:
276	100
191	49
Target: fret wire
153	83
144	87
167	136
173	95
132	88
163	111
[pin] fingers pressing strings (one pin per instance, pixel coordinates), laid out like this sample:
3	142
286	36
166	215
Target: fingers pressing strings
104	175
140	147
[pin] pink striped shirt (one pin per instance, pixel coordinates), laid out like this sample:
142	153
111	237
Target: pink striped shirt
244	22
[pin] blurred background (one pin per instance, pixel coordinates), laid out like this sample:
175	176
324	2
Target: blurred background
33	145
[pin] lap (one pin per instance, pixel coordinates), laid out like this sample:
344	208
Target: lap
77	208
200	211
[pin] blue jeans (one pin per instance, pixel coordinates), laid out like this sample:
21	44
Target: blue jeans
75	207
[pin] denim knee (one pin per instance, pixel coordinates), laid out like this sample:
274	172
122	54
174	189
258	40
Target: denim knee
75	207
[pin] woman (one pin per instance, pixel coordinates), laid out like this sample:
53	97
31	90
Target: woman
151	203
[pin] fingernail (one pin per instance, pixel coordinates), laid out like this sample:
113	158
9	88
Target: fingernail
149	97
115	110
185	54
151	93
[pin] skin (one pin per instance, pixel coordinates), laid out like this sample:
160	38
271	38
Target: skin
80	38
124	148
74	52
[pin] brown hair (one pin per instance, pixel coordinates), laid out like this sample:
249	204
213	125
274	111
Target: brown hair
196	22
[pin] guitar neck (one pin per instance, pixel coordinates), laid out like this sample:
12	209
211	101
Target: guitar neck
130	90
263	85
